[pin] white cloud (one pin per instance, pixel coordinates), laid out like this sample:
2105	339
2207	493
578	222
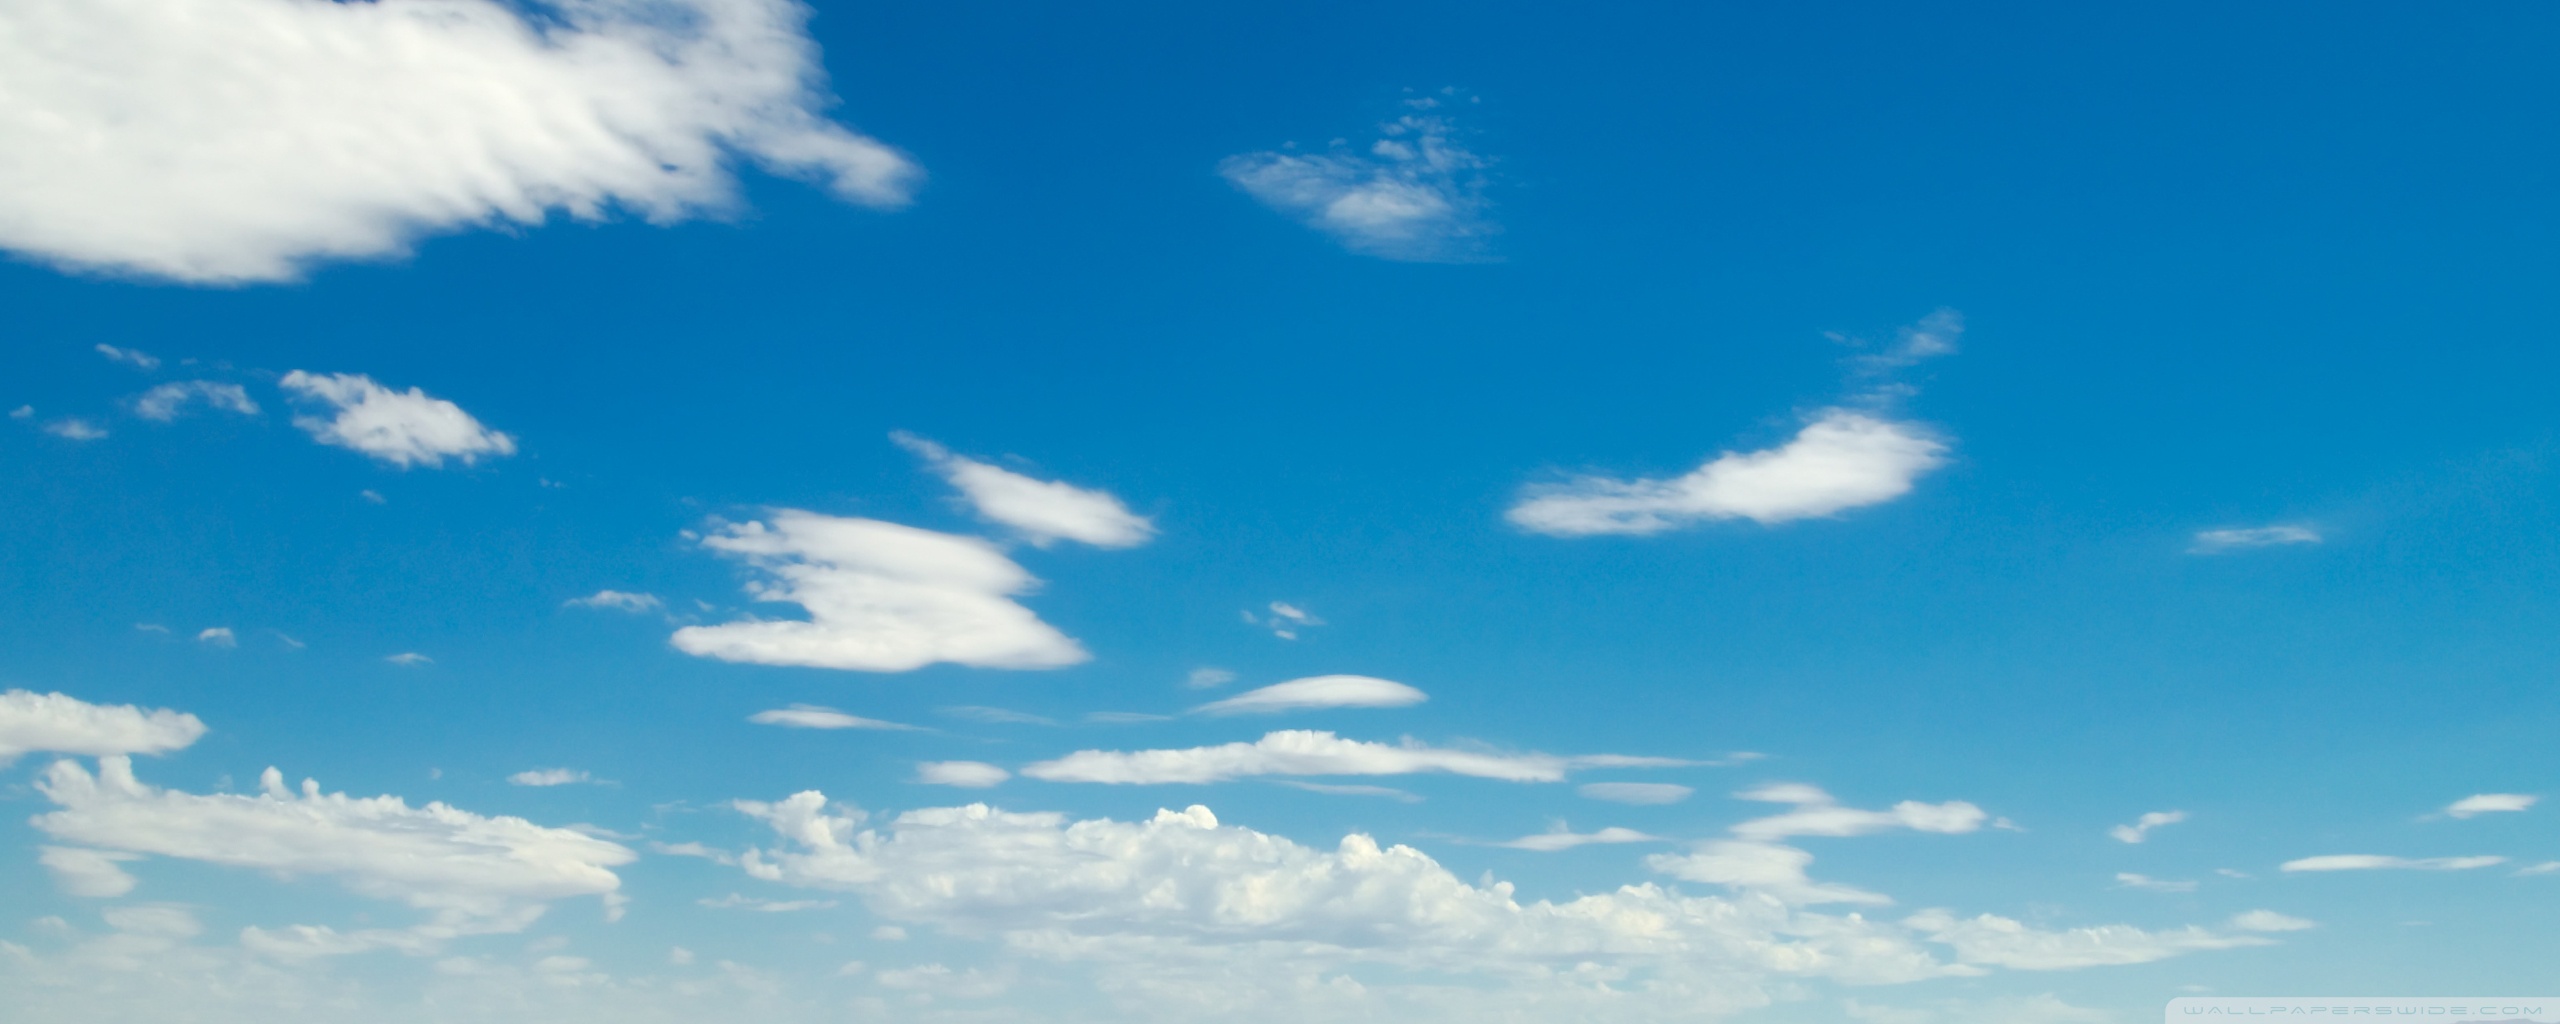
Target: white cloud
1318	692
741	902
547	777
2214	542
1285	620
811	716
1635	792
1336	789
1416	193
2269	921
881	597
1816	813
474	873
218	636
134	357
409	659
2490	803
999	716
73	428
2002	942
2141	827
2545	868
617	600
1124	717
1756	863
1293	752
22	412
165	402
2373	862
1770	869
1208	678
964	774
1043	511
1935	335
1844	459
403	428
2129	880
224	141
1562	838
67	725
91	873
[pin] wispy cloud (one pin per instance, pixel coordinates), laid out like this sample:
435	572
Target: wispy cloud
1414	193
403	428
2215	542
735	901
1635	792
2129	880
964	774
73	428
2375	862
1043	511
1285	620
1208	678
996	716
164	403
811	716
1351	789
218	636
617	600
409	659
1338	691
2141	827
2490	803
548	777
1754	861
131	357
1301	752
1562	838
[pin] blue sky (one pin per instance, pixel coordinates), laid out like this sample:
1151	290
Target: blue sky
1986	513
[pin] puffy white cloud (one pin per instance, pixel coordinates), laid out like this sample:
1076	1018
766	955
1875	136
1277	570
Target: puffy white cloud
165	402
91	873
1773	869
1318	692
1817	814
403	428
224	141
475	873
2490	803
1844	459
811	716
68	725
964	774
1043	511
2141	827
73	428
129	356
1992	940
1293	752
1635	792
1416	193
2214	542
617	600
2269	921
2375	862
881	597
548	777
2130	880
1562	838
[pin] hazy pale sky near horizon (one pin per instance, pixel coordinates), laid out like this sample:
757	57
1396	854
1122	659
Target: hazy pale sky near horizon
674	511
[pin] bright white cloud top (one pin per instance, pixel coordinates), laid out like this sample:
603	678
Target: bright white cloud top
225	141
1043	511
810	716
1313	692
2378	862
881	597
1415	193
2491	803
1842	460
403	428
61	724
2141	828
166	402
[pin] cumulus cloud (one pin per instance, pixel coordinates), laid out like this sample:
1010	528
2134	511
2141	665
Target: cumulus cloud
2141	827
1295	752
1318	692
811	716
2214	542
548	777
881	597
131	357
2130	880
1043	511
1842	460
964	774
2490	803
403	428
474	873
62	724
1415	193
617	600
73	428
1562	838
165	402
1635	792
91	873
1996	941
226	141
2375	862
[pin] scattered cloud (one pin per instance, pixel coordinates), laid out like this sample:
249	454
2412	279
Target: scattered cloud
1338	789
1933	336
131	357
1562	838
881	597
73	428
1997	941
409	659
1844	459
1318	692
377	124
373	496
548	777
90	873
739	902
811	716
1416	193
964	774
1208	678
1043	511
995	716
403	428
164	403
617	600
2141	827
2490	803
2269	921
22	412
1756	862
1816	813
2129	880
1293	752
1635	792
218	636
2373	862
61	724
2215	542
1285	620
2545	868
1771	869
1124	717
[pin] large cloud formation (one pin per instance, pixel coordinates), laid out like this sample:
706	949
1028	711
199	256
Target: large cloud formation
64	724
226	141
